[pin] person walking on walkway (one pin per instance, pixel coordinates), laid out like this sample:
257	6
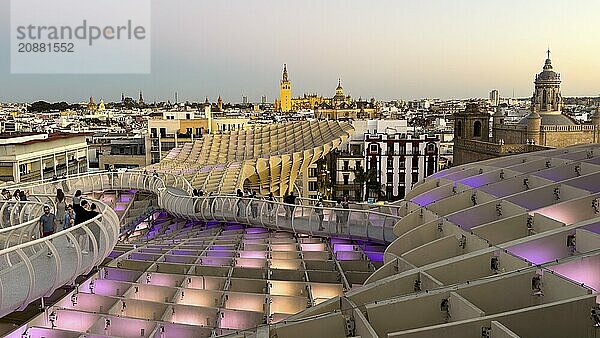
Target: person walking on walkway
47	225
240	203
319	212
293	204
69	221
254	205
339	216
61	208
270	205
7	207
346	205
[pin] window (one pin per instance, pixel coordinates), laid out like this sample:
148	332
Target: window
153	132
415	148
415	178
458	131
390	148
373	148
477	129
23	169
346	165
390	162
312	172
430	166
357	164
390	178
312	186
187	116
389	193
189	131
355	149
346	179
415	162
401	191
198	131
163	132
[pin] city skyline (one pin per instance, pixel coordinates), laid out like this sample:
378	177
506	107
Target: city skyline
424	50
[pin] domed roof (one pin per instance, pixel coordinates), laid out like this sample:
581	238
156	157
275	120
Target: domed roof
548	74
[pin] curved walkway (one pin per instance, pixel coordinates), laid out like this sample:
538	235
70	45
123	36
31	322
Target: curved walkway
28	273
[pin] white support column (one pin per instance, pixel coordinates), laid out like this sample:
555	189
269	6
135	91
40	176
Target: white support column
159	147
17	172
67	162
87	158
42	168
54	162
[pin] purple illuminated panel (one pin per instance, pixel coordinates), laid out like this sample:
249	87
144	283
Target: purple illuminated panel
120	207
233	226
423	200
375	256
336	240
215	261
593	228
125	198
542	250
121	275
219	253
475	181
221	247
585	271
256	230
343	247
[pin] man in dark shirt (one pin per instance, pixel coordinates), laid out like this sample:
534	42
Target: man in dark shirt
47	226
82	214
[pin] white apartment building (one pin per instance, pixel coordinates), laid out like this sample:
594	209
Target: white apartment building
399	158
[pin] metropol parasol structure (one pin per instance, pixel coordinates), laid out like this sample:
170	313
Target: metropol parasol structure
508	247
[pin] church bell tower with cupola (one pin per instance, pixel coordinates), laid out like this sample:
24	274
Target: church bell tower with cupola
285	92
547	98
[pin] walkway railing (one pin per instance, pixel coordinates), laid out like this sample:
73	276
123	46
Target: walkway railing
32	268
322	221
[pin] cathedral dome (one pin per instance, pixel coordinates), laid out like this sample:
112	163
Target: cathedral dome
548	74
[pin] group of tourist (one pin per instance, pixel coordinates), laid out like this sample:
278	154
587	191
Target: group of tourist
247	200
66	215
250	201
197	193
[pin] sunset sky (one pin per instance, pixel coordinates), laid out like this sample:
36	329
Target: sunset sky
386	49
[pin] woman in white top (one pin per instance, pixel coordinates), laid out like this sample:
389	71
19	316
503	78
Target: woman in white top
61	208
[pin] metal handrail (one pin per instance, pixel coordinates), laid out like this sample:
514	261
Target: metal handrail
101	233
359	223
